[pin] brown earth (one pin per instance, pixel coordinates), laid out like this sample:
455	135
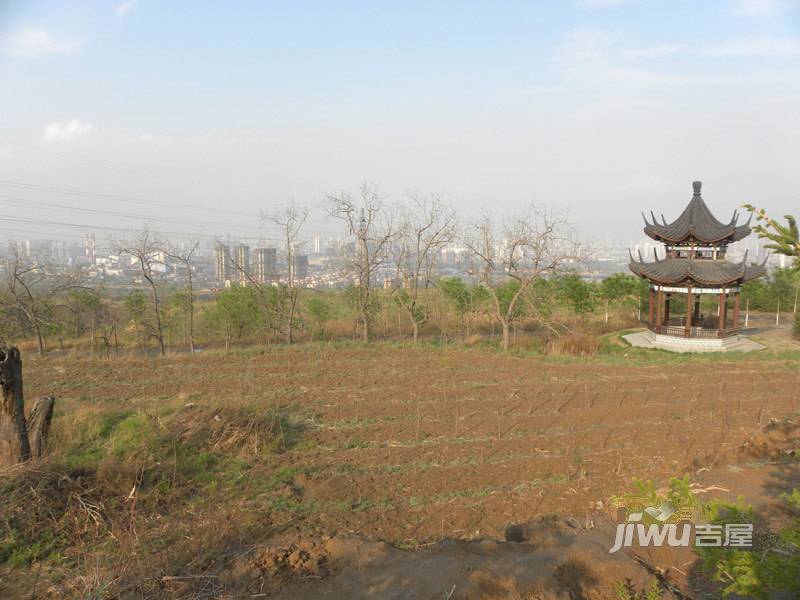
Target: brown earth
415	446
411	446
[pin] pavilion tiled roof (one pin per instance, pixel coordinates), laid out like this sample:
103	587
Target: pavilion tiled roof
696	224
700	271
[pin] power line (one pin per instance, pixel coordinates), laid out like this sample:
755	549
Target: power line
129	199
184	234
137	201
16	201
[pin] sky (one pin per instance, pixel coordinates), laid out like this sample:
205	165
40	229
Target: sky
121	113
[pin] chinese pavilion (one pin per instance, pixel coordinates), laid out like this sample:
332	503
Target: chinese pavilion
695	264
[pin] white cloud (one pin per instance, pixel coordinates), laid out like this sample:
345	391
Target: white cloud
766	47
30	43
66	131
595	58
760	8
124	8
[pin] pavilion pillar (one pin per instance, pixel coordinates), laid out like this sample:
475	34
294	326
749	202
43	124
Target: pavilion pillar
722	310
725	311
659	310
689	310
666	308
736	310
697	309
651	306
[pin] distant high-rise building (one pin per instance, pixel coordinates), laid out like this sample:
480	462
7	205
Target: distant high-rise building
300	266
222	262
316	244
241	260
265	264
91	249
57	252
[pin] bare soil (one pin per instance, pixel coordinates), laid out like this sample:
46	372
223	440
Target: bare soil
403	448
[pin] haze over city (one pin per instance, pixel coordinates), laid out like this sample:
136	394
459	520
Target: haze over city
385	300
600	108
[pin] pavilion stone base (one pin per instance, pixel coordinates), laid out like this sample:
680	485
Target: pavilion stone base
734	343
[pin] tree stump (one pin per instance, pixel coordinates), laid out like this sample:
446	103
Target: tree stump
20	439
39	425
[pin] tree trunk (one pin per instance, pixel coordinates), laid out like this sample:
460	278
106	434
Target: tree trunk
747	313
14	444
93	327
39	425
506	335
20	439
290	319
364	325
415	326
191	310
40	340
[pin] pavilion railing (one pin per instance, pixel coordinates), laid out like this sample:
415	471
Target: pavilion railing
694	332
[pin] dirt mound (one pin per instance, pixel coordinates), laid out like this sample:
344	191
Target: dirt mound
550	558
777	441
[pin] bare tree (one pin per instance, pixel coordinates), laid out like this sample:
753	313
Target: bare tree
148	253
428	226
509	262
31	289
368	221
290	220
184	258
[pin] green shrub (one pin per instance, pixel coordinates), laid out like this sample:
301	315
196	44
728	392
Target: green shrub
770	567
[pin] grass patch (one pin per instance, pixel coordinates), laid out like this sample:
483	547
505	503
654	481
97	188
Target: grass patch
123	470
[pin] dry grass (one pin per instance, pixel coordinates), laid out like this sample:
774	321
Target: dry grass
573	344
128	478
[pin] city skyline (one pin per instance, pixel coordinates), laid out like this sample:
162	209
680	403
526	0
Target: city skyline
118	114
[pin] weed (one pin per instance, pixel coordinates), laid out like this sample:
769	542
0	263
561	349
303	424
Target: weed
769	568
625	590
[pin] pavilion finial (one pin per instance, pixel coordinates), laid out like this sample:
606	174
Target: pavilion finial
744	260
696	185
750	218
630	254
641	260
663	220
653	216
766	258
645	220
655	254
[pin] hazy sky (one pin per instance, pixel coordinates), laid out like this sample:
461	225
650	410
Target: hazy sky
600	107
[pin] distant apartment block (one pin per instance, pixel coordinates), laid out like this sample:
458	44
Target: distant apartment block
265	266
241	262
223	269
91	249
300	266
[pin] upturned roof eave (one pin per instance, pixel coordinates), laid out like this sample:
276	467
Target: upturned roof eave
731	235
688	276
696	216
